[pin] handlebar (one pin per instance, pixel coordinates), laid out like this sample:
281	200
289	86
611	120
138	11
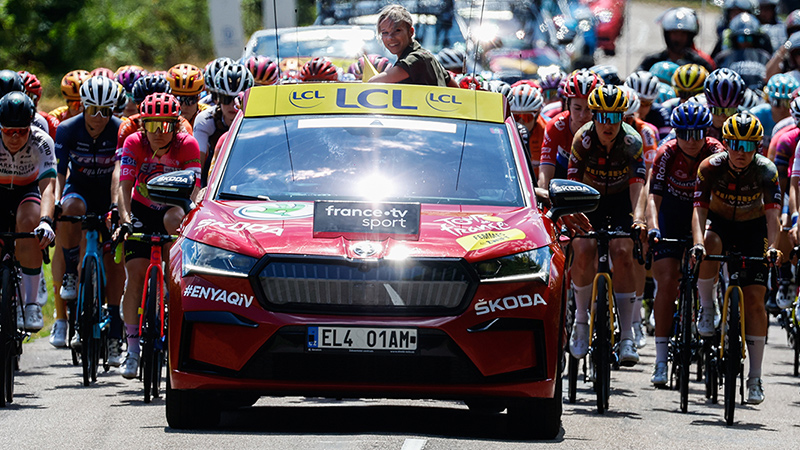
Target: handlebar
152	239
608	235
13	236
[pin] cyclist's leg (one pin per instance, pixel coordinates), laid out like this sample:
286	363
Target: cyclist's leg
58	335
666	272
73	204
582	271
621	251
638	330
172	219
754	287
30	260
131	301
115	283
706	282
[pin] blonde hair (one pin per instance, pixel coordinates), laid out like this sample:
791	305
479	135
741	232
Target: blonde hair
395	13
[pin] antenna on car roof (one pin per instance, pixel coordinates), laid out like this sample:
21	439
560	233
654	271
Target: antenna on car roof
480	24
277	41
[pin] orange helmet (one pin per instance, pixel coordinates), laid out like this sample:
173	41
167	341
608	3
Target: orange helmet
185	80
71	84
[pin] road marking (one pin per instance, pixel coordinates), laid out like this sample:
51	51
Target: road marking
414	444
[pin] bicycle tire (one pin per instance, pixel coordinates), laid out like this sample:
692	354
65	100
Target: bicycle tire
89	317
685	346
572	378
601	351
796	350
150	332
7	329
71	322
732	356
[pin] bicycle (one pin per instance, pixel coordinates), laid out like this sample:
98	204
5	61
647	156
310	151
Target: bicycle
789	320
152	315
731	352
10	336
602	332
93	320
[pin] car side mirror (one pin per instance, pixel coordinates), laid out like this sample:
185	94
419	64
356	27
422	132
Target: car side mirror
174	188
571	197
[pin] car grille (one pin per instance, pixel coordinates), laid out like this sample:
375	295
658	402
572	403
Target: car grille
342	286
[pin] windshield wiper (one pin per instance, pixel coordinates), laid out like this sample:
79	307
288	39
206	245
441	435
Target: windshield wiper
235	196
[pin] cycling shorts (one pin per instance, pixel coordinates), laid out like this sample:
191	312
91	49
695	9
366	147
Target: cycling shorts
97	199
674	222
10	199
614	210
144	220
748	238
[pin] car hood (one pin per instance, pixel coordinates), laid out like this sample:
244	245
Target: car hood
471	232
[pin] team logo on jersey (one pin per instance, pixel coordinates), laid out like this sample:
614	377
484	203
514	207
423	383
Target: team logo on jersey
560	124
629	140
586	141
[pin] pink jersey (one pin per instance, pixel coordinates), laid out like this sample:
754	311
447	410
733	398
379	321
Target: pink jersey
785	142
138	163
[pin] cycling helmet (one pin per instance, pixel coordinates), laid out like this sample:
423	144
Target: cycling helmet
680	19
526	99
472	81
792	22
781	86
71	84
127	76
794	109
689	79
552	80
690	116
319	69
750	6
501	87
212	69
724	88
633	100
161	105
103	71
16	110
147	85
32	85
664	70
122	99
645	84
608	98
665	93
185	80
530	83
745	24
233	79
264	70
581	83
452	59
380	63
608	73
743	127
10	81
751	99
99	91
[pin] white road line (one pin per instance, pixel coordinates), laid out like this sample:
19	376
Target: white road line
414	444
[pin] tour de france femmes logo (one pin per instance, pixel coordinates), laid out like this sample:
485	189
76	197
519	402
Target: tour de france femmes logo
275	211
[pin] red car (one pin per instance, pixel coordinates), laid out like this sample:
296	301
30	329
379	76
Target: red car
368	240
609	18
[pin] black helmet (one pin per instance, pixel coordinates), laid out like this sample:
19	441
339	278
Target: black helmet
10	81
16	110
149	84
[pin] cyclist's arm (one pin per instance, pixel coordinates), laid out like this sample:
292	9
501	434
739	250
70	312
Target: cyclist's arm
546	173
638	202
793	209
699	216
773	226
61	181
124	197
654	204
47	187
115	183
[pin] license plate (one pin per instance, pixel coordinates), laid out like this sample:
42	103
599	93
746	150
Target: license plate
359	339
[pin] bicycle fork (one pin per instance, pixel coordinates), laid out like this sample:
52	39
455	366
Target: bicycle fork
155	262
723	328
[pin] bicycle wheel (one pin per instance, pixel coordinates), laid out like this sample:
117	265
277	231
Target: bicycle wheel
685	346
8	327
150	333
572	378
732	355
796	349
89	317
711	370
72	322
601	347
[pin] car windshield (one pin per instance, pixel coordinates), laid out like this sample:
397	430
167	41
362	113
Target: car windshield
503	24
372	158
330	42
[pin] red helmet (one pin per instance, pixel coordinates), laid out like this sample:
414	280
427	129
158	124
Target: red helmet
32	85
264	70
160	104
319	69
581	83
530	83
102	71
472	81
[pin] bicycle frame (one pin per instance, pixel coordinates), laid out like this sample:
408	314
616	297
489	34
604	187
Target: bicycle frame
93	251
155	261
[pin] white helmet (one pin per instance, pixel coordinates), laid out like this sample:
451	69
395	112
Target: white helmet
683	19
526	99
452	59
233	79
501	87
99	91
633	100
644	83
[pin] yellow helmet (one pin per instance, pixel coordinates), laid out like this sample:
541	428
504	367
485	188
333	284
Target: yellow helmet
185	80
743	127
688	80
608	98
71	84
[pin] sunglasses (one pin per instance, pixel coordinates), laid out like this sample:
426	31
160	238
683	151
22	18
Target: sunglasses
14	132
225	99
549	95
159	126
607	117
780	102
688	135
526	117
743	38
189	100
720	111
94	111
741	146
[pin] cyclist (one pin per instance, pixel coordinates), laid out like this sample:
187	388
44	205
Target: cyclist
687	82
680	27
559	132
645	84
71	91
453	60
552	85
724	90
214	122
264	70
127	77
33	87
669	212
526	104
414	65
786	55
749	51
186	84
11	81
737	193
86	147
143	87
772	26
607	155
159	149
779	92
27	175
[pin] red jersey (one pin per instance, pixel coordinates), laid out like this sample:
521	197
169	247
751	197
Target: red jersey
557	144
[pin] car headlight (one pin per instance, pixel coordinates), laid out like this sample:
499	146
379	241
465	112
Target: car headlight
205	259
533	265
